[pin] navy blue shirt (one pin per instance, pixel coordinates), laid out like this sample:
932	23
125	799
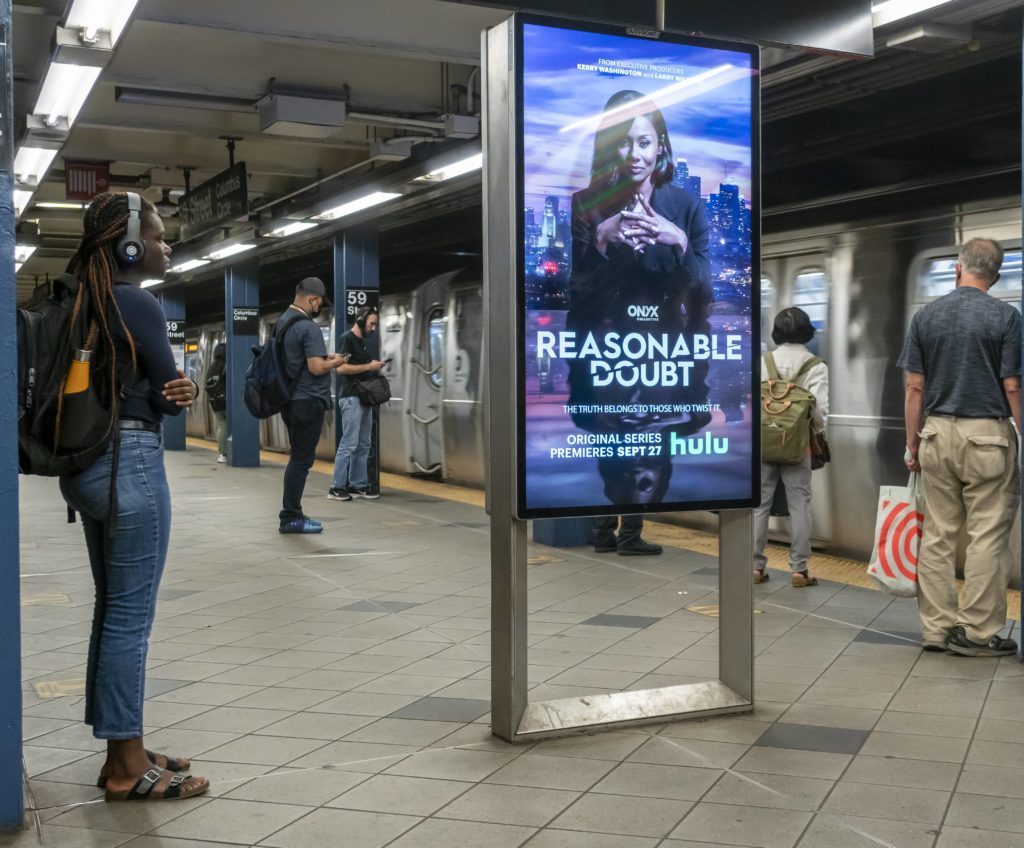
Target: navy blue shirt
965	344
155	365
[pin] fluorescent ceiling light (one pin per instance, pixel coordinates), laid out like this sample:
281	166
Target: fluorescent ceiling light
64	91
292	229
887	11
61	204
22	199
230	250
456	169
147	283
31	163
189	265
357	205
107	15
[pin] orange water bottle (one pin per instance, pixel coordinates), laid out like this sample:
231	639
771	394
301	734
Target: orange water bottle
78	374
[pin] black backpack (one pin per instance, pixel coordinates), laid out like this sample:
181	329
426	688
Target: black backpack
268	386
49	334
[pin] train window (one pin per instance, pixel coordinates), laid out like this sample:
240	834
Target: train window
938	278
767	297
810	293
436	338
326	332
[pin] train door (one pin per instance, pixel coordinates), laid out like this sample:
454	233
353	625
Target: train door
195	421
802	280
462	388
426	375
395	426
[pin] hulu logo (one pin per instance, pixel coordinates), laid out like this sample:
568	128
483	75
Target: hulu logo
706	444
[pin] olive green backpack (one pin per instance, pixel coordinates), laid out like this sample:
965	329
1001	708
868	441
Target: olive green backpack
785	415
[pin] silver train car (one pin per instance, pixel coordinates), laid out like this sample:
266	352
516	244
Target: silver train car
860	281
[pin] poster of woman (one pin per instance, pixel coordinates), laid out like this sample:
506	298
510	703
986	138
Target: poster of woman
638	275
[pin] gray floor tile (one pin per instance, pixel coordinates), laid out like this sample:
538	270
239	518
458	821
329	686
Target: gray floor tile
637	622
988	812
895	771
959	837
444	833
552	772
734	825
403	731
521	805
627	815
915	747
655	781
452	764
786	761
992	780
550	838
804	737
827	831
384	793
913	805
308	788
783	792
443	709
326	828
378	606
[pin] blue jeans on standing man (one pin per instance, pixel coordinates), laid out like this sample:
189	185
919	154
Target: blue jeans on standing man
127	564
350	471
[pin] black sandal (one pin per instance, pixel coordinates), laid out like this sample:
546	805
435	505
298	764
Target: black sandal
143	788
173	764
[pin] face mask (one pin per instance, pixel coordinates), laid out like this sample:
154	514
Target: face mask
314	312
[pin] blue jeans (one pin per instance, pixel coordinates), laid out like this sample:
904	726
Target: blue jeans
127	565
354	444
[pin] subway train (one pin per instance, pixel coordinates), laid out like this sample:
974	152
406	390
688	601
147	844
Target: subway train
861	281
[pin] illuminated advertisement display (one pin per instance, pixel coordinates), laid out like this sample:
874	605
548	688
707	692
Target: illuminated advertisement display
638	255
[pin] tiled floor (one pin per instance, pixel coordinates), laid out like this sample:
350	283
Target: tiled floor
335	691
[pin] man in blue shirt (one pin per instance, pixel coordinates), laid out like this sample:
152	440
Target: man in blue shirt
309	364
963	363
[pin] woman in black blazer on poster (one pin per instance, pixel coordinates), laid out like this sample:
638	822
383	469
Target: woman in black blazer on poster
637	241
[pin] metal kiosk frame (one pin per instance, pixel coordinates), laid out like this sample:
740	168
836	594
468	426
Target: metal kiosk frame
512	716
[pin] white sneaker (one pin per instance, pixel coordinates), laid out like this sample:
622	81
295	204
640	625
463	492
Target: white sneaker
222	459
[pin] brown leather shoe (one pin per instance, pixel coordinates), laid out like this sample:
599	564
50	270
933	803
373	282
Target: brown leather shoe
802	579
761	576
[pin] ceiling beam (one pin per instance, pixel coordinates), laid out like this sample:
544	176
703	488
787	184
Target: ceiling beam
378	44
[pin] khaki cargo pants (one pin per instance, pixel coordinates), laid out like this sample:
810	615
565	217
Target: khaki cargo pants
970	476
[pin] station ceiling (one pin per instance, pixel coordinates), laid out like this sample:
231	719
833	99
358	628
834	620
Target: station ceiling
185	75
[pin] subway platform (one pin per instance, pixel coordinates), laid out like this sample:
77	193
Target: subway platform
334	689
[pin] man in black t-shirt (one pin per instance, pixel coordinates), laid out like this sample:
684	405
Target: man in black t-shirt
309	364
350	464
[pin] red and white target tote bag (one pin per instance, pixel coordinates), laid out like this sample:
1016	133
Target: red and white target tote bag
898	528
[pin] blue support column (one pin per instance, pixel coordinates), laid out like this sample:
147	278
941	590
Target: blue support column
173	301
11	777
357	282
241	311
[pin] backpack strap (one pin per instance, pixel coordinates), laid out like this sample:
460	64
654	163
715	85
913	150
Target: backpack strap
809	364
769	361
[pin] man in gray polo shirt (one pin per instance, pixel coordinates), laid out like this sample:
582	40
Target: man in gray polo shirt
963	363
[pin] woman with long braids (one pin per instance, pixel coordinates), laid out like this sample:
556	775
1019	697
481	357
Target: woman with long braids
127	550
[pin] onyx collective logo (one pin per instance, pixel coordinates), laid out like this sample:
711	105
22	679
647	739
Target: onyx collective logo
643	312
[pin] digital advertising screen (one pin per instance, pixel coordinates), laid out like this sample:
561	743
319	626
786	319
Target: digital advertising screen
638	260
